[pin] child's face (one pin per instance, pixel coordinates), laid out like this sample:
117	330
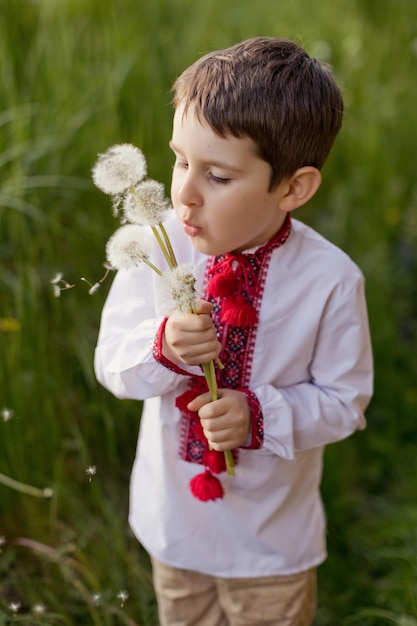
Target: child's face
220	189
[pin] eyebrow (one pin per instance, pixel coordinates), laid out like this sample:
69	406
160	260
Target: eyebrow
219	164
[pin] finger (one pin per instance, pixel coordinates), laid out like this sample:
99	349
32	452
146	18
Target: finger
225	439
190	323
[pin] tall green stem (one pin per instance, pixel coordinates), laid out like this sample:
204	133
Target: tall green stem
152	266
163	247
210	374
168	245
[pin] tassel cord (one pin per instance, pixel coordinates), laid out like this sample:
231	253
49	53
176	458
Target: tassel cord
229	266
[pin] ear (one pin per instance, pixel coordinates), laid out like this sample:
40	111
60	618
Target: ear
300	187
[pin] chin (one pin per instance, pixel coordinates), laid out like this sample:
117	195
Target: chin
209	250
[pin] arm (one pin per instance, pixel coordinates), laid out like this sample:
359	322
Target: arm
124	361
330	405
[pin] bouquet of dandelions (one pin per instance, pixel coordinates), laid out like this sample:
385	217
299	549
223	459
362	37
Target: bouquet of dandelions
120	173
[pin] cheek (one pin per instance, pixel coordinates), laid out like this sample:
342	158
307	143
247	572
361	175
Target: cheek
174	187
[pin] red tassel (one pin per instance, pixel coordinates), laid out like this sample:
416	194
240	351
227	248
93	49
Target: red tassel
238	312
222	285
215	461
206	487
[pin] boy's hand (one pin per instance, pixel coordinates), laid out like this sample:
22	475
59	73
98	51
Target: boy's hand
226	421
190	338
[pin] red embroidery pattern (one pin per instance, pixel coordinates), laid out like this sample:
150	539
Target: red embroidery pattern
235	285
158	354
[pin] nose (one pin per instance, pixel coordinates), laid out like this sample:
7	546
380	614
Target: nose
188	192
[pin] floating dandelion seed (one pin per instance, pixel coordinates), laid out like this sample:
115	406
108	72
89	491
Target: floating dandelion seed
121	167
57	278
15	607
6	414
96	598
91	471
97	285
47	492
122	596
93	288
59	284
38	609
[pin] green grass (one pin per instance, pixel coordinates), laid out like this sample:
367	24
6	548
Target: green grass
80	75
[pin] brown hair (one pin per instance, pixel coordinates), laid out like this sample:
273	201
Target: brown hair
271	91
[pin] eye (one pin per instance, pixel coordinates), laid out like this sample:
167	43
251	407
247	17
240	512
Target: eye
217	179
180	164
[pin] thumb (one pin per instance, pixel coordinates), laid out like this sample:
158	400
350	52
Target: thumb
202	306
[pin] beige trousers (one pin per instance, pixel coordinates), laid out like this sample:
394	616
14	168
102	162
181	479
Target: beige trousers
187	598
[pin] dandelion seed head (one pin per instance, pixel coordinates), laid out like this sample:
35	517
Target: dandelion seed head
181	282
120	167
6	414
15	607
91	470
128	246
146	203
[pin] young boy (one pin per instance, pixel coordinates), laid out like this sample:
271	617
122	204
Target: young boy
282	308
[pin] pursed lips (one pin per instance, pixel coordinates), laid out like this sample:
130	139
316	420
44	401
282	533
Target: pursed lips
190	229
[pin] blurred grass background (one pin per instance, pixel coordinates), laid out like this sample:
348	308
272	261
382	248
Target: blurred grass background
80	75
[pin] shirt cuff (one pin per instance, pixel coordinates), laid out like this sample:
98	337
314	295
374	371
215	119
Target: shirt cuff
160	357
255	438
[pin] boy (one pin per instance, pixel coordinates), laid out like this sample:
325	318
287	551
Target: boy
283	309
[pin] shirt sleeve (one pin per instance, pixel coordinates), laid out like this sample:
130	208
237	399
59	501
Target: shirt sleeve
330	405
124	362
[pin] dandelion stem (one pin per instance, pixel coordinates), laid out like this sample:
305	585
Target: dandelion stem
18	486
210	375
211	380
163	247
168	245
230	462
152	266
